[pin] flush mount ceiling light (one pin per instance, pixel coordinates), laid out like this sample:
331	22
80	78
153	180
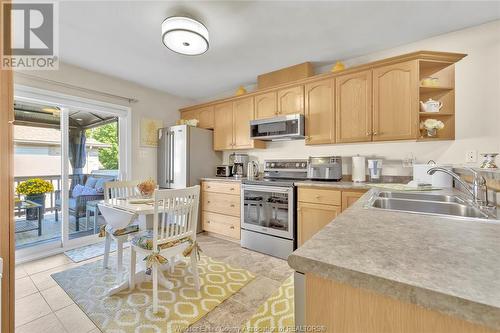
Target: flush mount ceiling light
184	35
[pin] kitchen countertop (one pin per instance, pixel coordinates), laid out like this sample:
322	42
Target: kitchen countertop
222	179
445	264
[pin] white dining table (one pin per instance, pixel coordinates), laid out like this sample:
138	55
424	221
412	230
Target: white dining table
145	217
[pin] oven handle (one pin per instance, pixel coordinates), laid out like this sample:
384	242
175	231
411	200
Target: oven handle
274	189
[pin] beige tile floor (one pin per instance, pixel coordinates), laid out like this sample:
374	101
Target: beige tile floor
42	306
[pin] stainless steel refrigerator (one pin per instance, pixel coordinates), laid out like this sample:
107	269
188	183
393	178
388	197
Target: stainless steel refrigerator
185	154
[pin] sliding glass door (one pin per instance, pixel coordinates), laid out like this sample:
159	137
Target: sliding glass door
66	149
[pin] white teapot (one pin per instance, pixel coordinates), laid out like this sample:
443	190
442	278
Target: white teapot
431	106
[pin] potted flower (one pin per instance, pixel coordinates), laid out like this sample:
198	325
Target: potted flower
431	126
34	190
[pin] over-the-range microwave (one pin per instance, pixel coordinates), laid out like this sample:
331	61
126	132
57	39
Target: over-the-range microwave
288	127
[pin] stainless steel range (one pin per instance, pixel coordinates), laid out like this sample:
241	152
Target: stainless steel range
268	208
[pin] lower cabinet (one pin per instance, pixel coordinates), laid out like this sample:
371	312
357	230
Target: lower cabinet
318	206
220	208
312	218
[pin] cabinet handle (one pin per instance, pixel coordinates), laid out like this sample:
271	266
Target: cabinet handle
208	222
208	186
375	133
231	227
318	196
231	189
208	201
232	205
368	133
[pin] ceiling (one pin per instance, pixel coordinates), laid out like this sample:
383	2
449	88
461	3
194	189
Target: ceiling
247	38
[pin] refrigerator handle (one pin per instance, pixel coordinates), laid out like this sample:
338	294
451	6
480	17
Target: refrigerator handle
172	157
167	157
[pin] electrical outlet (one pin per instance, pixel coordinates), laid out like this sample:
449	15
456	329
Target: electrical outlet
471	156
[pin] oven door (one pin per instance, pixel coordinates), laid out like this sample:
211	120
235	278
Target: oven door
268	210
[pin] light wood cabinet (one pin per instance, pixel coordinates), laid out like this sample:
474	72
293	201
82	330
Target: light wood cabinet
350	197
340	307
220	208
223	128
243	112
312	218
395	101
320	112
291	100
266	105
319	206
354	107
378	101
205	116
232	129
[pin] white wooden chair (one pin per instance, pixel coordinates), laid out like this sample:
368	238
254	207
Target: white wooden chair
117	220
174	232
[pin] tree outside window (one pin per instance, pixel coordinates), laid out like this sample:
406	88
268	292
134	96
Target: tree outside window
108	133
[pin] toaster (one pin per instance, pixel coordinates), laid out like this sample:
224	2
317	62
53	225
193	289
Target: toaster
325	168
223	171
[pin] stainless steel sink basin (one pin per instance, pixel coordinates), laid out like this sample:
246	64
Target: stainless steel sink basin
421	196
428	207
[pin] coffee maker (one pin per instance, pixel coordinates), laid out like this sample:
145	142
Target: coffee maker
239	164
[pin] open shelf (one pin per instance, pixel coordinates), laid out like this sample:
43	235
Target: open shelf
431	89
434	114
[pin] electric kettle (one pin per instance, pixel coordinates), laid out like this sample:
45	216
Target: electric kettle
252	169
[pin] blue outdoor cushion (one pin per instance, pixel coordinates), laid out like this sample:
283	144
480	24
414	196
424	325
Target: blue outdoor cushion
91	181
77	190
89	191
99	186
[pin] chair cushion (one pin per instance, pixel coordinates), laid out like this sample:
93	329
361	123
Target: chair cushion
124	231
88	191
77	190
99	186
91	181
144	240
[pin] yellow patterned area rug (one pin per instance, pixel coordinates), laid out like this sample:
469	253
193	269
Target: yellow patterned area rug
276	314
132	311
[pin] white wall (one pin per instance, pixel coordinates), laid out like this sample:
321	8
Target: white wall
151	104
477	105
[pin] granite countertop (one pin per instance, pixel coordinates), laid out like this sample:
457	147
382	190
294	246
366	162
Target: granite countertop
445	264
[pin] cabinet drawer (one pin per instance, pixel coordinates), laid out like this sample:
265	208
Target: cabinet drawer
222	187
320	196
221	203
221	224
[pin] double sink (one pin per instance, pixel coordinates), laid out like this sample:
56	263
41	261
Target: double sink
426	203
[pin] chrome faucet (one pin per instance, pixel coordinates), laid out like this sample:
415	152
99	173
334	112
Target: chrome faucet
478	190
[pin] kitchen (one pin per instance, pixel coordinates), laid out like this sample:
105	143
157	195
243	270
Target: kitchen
346	183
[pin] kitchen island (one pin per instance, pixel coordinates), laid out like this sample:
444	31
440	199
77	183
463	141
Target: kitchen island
372	270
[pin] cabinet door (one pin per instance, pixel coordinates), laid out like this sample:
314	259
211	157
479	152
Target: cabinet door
206	117
291	100
223	126
312	218
349	198
243	112
319	109
395	101
190	114
354	107
266	105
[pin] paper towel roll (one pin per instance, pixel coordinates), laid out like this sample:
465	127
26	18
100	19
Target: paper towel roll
358	169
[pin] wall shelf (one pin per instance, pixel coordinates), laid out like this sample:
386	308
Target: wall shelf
429	89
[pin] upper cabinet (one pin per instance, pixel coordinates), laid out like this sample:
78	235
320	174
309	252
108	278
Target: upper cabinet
371	102
291	100
266	105
395	101
354	107
223	129
232	129
243	112
320	112
205	116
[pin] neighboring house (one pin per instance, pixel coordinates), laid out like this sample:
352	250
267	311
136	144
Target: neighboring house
37	152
